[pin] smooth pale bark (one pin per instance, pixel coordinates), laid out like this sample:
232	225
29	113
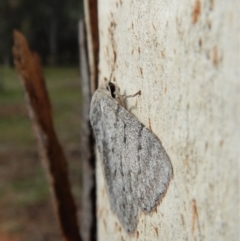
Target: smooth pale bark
184	57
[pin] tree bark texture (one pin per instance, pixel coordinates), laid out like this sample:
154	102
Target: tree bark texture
88	213
184	57
91	19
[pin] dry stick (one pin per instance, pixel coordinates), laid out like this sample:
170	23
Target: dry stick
29	69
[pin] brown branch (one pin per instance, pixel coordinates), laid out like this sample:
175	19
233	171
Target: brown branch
29	69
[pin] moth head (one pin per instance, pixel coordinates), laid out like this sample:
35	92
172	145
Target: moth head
113	89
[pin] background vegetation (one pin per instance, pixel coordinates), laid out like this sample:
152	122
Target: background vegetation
50	26
26	210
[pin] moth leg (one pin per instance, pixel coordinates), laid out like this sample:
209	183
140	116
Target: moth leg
121	98
129	96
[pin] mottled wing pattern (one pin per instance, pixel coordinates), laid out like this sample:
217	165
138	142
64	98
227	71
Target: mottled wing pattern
136	167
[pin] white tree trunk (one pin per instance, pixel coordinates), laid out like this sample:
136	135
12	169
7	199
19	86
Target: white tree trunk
184	57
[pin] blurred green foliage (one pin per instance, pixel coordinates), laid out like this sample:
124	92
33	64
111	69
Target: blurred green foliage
24	190
63	85
50	27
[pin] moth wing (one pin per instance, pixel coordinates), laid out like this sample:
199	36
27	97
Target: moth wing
136	167
109	131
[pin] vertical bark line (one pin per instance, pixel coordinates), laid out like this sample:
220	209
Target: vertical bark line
29	69
89	52
89	219
91	18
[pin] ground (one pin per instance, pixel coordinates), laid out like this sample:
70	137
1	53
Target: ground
26	210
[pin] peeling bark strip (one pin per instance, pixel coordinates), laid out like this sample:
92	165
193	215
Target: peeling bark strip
88	214
91	18
29	69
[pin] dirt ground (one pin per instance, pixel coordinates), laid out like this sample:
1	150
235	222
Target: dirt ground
26	212
26	208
